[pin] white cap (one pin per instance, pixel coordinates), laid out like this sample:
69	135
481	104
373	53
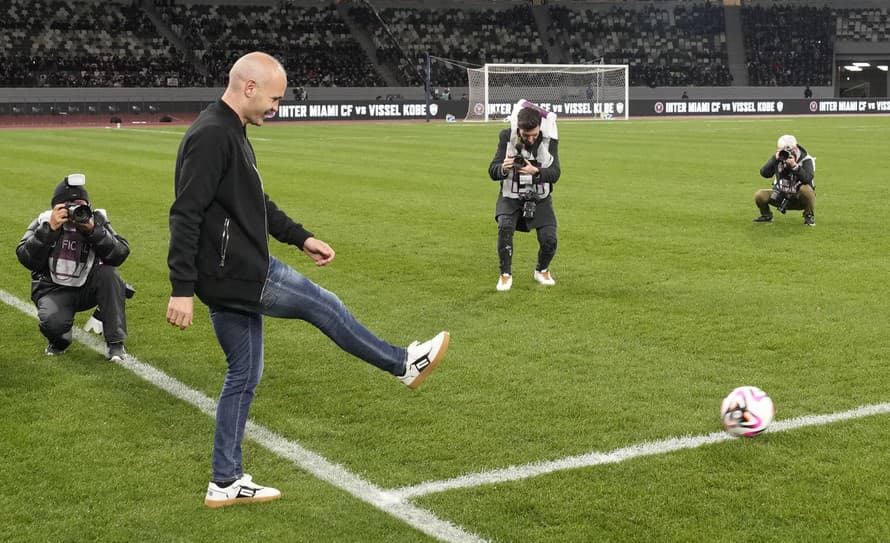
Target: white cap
787	142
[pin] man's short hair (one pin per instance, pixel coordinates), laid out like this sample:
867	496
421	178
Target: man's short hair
528	118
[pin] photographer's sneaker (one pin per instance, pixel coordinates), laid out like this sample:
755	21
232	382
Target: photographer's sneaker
116	352
54	350
544	278
809	219
423	359
764	218
244	490
505	281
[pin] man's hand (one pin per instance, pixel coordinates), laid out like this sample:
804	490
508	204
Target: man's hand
529	169
791	162
318	251
180	311
59	216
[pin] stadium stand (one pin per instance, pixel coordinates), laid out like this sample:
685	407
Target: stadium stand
863	25
474	37
86	44
315	43
788	45
664	46
162	43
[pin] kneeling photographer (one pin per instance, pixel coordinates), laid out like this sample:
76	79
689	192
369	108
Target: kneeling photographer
73	254
527	165
793	187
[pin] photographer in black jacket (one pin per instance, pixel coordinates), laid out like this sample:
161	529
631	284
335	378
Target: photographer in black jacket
526	164
793	187
73	254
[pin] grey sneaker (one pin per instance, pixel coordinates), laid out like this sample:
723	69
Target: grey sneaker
423	359
809	219
244	490
116	352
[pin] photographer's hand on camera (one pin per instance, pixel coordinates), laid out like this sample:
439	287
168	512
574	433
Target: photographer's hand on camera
529	169
65	213
59	216
783	156
519	164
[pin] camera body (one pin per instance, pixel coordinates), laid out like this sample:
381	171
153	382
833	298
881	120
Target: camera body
779	200
784	155
529	203
518	159
79	213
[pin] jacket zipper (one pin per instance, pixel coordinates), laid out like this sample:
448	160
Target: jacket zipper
224	244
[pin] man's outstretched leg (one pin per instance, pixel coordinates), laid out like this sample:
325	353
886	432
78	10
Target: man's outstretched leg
288	294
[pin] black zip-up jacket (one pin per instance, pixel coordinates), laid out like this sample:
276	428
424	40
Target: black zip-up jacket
39	242
221	219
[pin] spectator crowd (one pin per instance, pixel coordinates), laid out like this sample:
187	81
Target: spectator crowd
157	43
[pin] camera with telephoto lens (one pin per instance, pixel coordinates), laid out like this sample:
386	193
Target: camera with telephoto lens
79	213
780	200
784	155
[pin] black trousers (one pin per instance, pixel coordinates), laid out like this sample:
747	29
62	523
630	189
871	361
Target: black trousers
547	242
104	287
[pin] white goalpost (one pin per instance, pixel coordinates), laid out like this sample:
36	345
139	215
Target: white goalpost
584	91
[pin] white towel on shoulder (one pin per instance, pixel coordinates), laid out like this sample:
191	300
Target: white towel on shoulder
548	119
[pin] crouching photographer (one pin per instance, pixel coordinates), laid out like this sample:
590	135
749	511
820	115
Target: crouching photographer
73	254
793	187
526	165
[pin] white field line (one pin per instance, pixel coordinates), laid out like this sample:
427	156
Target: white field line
336	475
395	501
515	473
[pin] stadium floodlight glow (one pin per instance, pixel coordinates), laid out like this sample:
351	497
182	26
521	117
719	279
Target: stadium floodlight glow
852	68
882	67
862	64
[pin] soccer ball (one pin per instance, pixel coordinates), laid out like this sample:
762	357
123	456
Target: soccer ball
747	411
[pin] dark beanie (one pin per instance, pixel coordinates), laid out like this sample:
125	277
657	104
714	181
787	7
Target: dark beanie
67	193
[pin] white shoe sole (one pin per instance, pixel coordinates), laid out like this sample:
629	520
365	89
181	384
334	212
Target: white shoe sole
433	363
221	503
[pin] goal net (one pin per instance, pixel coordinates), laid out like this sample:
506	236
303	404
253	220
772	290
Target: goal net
590	91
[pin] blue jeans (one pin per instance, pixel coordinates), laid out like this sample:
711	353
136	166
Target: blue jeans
287	294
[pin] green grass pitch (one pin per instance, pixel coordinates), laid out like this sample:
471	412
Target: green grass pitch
667	297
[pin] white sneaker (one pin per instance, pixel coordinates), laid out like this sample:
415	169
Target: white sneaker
544	278
244	490
505	282
423	359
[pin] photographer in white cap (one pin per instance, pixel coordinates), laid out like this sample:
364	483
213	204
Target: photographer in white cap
793	187
73	254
